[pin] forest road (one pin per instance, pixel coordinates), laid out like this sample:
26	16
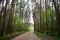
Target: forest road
29	36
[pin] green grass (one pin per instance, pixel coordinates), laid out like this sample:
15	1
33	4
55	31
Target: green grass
44	35
56	38
41	35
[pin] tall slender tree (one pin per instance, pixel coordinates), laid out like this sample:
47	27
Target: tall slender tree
11	18
3	30
56	5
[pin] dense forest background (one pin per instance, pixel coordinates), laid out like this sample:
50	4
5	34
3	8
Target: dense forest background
17	16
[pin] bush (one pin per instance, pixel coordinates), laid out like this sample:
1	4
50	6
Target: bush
19	25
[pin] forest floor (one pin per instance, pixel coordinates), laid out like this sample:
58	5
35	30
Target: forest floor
30	36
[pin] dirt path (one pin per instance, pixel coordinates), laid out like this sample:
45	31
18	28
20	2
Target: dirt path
27	36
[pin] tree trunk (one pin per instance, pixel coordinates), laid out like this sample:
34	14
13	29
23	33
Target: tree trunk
57	16
11	18
3	30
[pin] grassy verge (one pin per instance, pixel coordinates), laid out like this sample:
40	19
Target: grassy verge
56	38
9	36
41	35
44	35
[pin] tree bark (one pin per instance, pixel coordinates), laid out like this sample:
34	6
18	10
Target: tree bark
57	16
11	18
3	30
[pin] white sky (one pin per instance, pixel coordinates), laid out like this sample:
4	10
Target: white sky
31	20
